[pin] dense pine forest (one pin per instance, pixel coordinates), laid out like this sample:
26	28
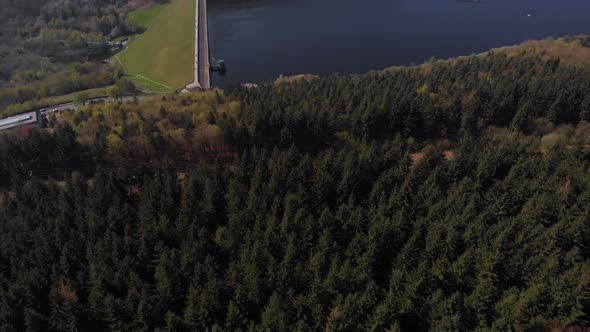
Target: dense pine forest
451	196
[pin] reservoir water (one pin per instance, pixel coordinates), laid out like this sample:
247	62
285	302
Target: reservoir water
261	39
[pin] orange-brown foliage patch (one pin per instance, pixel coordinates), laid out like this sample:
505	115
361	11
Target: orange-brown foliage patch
426	68
449	154
133	191
568	51
555	326
23	131
417	158
566	188
295	78
181	176
11	197
67	293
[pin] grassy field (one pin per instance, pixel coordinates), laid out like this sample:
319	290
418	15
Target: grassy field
161	59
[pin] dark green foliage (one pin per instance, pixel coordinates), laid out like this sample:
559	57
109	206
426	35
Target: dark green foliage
418	248
446	99
327	220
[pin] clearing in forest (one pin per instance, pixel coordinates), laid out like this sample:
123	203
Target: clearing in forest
161	58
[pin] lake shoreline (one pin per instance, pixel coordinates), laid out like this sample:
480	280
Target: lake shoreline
573	50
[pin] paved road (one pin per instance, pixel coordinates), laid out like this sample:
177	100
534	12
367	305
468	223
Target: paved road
75	105
202	72
23	118
195	84
205	71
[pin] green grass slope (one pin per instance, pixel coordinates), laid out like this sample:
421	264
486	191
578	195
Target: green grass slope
161	58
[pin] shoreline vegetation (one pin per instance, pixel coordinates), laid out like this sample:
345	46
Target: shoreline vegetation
571	50
574	50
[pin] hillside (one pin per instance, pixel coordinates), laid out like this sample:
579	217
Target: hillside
450	196
571	50
51	49
161	58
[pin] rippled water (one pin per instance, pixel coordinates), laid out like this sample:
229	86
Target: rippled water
261	39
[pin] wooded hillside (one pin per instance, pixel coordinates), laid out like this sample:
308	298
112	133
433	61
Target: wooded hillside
450	196
51	48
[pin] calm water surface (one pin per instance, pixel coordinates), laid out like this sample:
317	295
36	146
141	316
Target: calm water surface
261	39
